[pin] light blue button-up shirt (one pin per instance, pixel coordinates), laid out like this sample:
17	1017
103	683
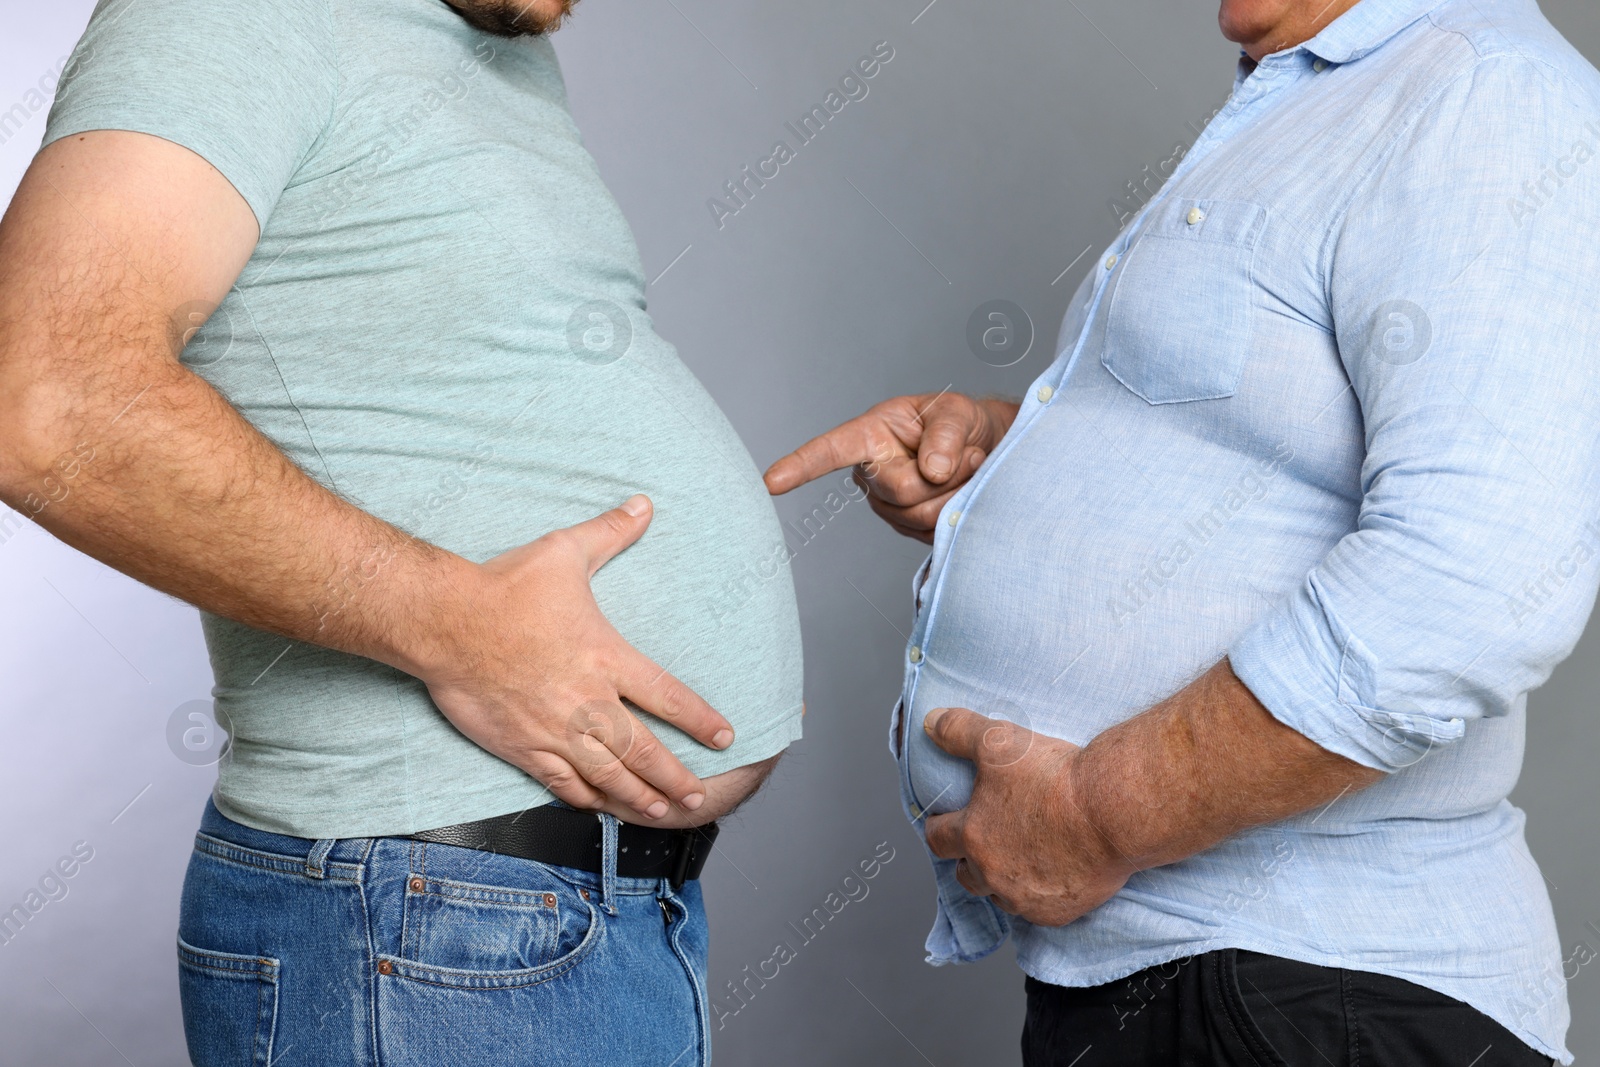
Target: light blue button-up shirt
1329	406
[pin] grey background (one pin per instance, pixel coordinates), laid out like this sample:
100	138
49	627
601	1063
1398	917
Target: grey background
982	164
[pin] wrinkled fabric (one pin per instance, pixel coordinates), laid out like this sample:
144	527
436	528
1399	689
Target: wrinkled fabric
1328	406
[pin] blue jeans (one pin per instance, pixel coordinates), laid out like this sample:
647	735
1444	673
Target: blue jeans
392	952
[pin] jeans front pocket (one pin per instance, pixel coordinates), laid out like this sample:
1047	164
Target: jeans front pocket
488	934
230	1006
1286	1013
1181	317
630	993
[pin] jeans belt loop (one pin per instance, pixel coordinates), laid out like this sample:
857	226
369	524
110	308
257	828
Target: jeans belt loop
608	862
687	846
317	857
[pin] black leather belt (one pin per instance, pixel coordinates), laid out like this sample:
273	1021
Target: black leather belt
564	837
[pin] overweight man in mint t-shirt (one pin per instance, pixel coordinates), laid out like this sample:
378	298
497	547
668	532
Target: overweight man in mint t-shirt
484	571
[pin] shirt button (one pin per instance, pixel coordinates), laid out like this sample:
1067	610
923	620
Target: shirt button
1196	216
1111	261
1320	65
955	517
1045	393
916	654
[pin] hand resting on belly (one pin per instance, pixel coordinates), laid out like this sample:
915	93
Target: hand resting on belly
724	793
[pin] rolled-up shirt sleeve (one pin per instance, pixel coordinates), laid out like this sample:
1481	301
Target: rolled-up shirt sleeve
1464	291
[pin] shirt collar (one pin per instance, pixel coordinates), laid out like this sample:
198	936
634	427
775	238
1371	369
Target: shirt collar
1366	27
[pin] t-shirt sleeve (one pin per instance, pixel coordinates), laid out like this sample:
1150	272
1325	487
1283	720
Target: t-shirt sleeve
248	85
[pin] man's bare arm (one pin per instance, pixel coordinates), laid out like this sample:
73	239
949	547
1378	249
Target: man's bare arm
1053	830
1201	766
111	444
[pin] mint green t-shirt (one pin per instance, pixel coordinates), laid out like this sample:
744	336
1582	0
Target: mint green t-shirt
444	322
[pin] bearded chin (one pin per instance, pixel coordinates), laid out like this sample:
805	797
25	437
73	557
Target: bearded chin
510	18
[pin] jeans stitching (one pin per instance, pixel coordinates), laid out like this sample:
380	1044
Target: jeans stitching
701	1012
267	1017
1235	1010
1219	978
264	967
456	978
1351	1020
255	859
416	864
492	896
369	972
262	970
258	974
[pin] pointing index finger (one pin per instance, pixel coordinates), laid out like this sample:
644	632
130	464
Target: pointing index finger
843	446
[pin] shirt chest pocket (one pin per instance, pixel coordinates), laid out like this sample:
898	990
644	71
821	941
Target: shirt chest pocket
1181	315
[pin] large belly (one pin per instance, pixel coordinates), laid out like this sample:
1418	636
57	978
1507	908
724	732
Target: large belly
706	592
1077	593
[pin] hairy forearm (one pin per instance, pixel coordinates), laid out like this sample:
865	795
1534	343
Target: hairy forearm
167	483
112	249
1199	767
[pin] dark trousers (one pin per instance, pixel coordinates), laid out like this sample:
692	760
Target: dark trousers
1243	1009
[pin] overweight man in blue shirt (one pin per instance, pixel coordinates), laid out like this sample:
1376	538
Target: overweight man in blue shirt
1217	683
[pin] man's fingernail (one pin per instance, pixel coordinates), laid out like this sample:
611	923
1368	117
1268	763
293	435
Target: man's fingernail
637	506
693	801
723	739
931	723
596	805
938	466
656	810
